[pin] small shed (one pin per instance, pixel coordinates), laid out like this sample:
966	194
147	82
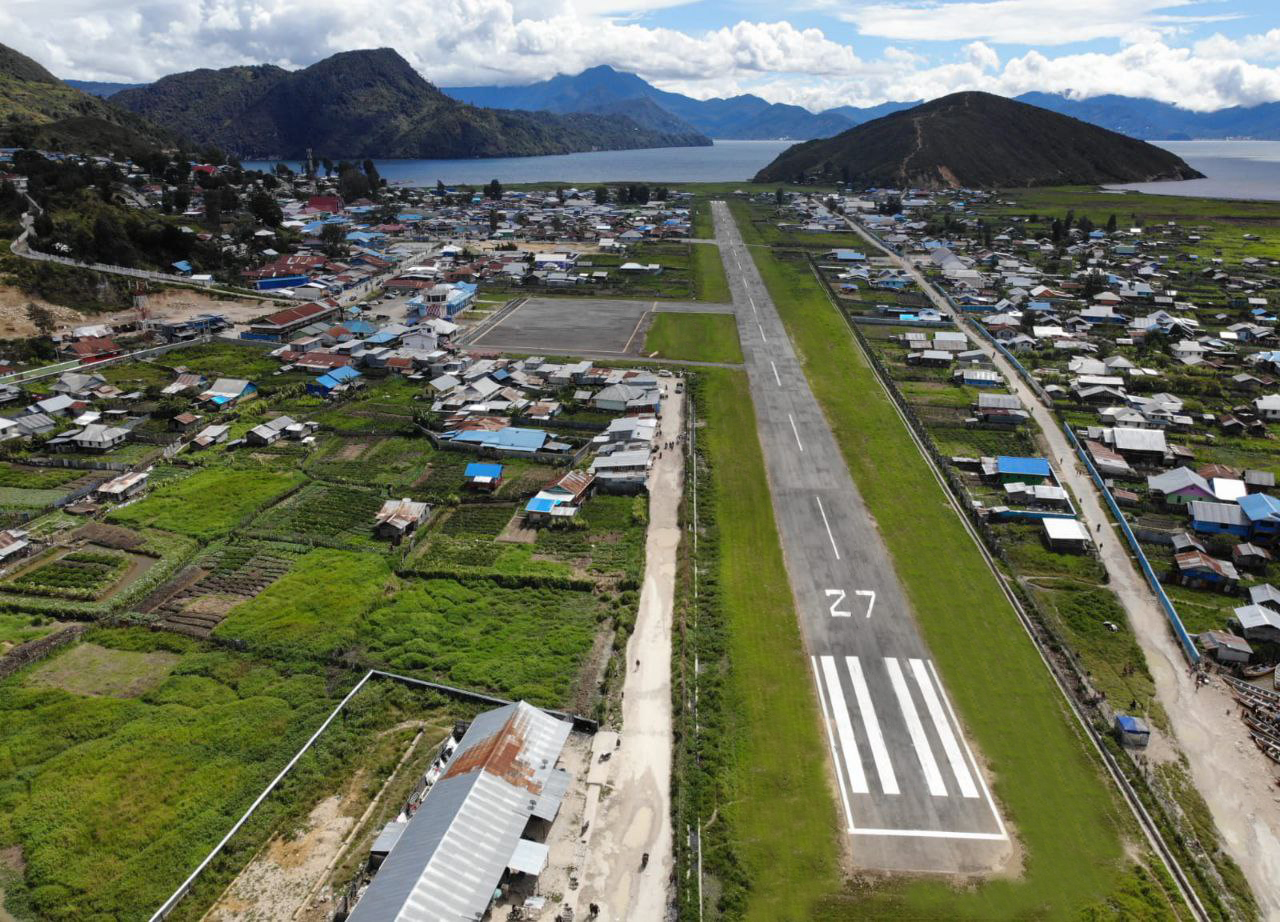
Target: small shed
1066	535
483	477
1132	732
1225	647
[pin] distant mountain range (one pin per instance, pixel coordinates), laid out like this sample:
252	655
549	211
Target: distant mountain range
976	140
39	110
100	89
374	104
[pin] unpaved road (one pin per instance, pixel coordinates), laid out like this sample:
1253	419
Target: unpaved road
636	814
1226	767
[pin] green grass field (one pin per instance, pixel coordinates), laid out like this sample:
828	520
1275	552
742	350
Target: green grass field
709	280
1050	786
695	337
209	503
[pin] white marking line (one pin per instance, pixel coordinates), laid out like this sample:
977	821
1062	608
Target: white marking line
921	742
831	741
844	727
929	834
884	768
760	328
828	524
775	374
945	733
1004	834
795	431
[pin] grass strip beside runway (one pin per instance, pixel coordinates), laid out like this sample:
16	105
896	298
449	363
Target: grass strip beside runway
1051	788
782	820
709	281
694	337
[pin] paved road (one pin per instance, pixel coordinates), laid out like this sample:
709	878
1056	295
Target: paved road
910	792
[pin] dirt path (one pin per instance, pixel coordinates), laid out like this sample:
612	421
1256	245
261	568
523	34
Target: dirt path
1226	768
636	815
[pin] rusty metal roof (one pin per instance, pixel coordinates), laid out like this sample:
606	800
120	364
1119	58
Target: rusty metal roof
451	857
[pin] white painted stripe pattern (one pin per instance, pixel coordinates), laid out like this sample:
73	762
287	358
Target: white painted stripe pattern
875	738
943	726
831	741
933	777
844	727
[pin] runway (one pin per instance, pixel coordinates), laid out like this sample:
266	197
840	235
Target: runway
910	792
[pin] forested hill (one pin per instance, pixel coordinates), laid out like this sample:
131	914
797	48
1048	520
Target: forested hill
368	104
976	140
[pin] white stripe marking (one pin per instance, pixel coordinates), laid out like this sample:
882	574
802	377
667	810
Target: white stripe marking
844	727
775	374
884	768
921	742
972	761
758	327
945	733
830	536
795	431
928	834
831	741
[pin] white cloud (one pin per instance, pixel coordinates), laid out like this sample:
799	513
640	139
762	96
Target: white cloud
1021	22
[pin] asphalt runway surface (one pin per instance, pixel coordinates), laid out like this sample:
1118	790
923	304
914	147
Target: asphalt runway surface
582	325
911	794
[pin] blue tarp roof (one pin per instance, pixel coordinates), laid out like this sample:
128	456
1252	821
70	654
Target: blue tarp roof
182	265
481	469
325	382
343	373
1035	467
512	438
1259	506
1131	724
540	505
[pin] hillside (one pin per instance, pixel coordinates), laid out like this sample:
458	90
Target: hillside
38	109
370	104
976	140
602	88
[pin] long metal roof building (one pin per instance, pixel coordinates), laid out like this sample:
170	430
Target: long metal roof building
451	857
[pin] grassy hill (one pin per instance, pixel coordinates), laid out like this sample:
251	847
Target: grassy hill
368	104
976	140
39	110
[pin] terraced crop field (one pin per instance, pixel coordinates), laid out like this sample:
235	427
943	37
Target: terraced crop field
322	513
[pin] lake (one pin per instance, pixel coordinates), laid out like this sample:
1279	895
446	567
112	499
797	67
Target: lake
1232	169
725	161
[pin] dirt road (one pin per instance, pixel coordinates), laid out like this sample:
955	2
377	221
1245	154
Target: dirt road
636	815
1227	769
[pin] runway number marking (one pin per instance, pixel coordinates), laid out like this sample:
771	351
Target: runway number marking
838	612
830	536
870	596
795	432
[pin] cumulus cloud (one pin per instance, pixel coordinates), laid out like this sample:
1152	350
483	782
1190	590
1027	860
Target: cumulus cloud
1021	22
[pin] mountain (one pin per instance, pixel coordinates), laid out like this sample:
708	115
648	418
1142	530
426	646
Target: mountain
369	104
39	110
858	116
744	117
100	89
1146	118
976	140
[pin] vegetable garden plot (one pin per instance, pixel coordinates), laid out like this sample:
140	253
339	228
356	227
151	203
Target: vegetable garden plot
321	513
609	539
83	575
479	519
377	460
230	576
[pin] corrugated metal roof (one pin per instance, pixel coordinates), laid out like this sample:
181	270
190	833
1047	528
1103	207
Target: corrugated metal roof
451	857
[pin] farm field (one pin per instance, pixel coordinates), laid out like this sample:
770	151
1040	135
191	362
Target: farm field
209	503
695	337
1070	866
18	629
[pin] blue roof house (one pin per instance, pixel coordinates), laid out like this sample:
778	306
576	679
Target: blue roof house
1263	513
1024	470
331	380
1218	518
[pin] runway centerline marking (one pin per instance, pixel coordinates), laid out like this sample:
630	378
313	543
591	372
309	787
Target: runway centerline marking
943	726
795	432
831	742
915	728
830	536
775	373
875	738
844	727
761	329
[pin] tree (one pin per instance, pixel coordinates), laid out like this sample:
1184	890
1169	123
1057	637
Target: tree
1085	225
328	166
1094	284
41	318
779	196
181	198
493	191
602	195
371	173
333	239
440	189
265	209
493	220
1111	225
560	194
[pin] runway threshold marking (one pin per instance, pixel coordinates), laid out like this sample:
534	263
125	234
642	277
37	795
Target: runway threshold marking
929	765
831	537
775	373
844	727
795	432
946	701
875	738
943	726
831	742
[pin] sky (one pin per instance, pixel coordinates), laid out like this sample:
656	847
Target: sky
815	53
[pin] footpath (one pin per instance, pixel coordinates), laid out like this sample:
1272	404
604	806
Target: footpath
1226	767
